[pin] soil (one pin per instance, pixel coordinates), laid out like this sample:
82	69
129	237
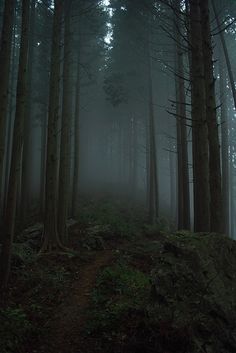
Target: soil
65	327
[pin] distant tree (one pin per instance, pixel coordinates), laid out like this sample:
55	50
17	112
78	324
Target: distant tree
66	124
76	181
153	204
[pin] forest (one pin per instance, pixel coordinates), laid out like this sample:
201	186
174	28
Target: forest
117	176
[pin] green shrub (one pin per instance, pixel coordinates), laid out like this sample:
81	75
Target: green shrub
120	290
22	254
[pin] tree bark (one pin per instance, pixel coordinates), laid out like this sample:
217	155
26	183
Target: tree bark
50	236
5	63
76	181
27	153
199	124
224	146
65	145
232	182
153	183
11	116
216	209
183	171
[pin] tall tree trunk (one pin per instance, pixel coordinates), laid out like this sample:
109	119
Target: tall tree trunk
50	236
172	168
216	209
11	116
147	154
5	63
76	181
200	138
43	142
135	158
153	183
179	161
183	171
232	184
65	146
224	146
27	153
9	217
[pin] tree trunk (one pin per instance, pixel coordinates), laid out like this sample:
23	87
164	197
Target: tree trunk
183	171
65	149
5	63
172	168
27	152
153	183
224	146
232	182
179	162
200	140
216	209
11	116
9	217
76	181
50	236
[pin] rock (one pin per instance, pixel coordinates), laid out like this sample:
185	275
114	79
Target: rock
196	276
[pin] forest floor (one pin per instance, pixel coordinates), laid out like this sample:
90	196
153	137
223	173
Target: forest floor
124	287
65	327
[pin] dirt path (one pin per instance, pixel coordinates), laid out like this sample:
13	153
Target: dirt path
65	327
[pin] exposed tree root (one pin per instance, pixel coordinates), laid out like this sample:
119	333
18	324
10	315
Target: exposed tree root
52	245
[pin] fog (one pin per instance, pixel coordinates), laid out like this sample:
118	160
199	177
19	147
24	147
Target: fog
109	95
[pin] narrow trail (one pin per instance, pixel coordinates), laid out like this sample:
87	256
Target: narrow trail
65	327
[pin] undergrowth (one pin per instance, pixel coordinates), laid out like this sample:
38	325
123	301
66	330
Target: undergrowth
120	290
123	221
14	329
36	288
